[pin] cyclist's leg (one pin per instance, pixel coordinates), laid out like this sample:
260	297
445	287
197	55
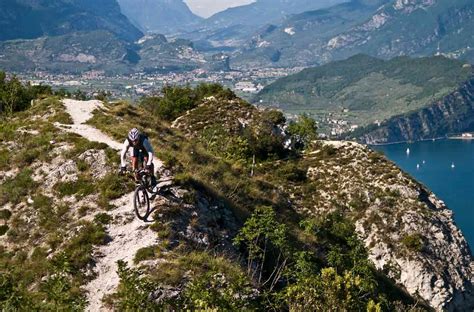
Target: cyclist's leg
135	162
152	172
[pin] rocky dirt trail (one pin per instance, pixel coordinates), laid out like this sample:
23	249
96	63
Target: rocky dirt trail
127	233
81	111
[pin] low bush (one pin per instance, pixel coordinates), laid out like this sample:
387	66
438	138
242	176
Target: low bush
146	253
4	159
291	172
82	187
5	214
176	100
78	249
3	229
102	218
413	242
113	186
15	189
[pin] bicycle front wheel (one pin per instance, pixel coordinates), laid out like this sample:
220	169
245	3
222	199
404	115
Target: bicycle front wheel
141	203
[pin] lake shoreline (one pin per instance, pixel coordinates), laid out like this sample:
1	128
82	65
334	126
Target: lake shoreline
455	137
431	164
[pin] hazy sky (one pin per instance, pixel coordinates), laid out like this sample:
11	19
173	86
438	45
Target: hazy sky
206	8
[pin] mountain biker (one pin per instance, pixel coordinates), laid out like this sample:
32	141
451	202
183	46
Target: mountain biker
142	153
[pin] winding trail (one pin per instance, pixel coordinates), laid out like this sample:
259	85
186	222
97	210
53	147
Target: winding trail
127	233
81	112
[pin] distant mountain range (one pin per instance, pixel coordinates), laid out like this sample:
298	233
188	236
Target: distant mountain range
233	26
365	92
382	28
159	16
30	19
266	33
301	39
79	52
262	12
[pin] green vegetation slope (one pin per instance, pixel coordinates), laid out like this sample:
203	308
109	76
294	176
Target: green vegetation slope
363	90
252	225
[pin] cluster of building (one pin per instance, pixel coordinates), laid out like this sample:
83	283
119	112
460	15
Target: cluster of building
143	84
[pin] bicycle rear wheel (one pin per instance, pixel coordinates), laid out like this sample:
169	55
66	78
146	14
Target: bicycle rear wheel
141	202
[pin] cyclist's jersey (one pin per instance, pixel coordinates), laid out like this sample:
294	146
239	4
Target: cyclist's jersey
143	147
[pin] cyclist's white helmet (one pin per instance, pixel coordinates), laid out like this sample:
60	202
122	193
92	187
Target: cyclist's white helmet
133	134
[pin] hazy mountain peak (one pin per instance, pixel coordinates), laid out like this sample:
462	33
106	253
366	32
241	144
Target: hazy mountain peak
27	19
161	16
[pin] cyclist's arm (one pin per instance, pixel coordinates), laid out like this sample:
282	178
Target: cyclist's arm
123	153
149	149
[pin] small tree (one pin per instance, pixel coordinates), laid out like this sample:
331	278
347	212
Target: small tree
263	237
303	131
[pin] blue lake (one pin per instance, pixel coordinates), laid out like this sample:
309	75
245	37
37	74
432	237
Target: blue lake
447	168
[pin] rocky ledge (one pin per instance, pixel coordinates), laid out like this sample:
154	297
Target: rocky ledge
409	233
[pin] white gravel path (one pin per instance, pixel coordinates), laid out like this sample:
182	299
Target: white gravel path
127	233
81	111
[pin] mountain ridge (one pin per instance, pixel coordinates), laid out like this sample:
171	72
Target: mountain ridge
341	209
364	91
384	29
159	16
30	19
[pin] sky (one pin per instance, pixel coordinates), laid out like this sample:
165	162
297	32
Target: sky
206	8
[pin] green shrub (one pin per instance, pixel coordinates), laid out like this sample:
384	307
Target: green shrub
102	218
176	99
3	229
264	137
13	297
163	231
82	165
4	159
133	291
113	186
16	96
5	214
216	292
303	131
27	157
49	215
263	238
413	242
223	144
82	187
146	253
291	172
81	145
78	249
328	291
14	189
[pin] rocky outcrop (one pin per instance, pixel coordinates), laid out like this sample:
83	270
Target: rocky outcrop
410	235
452	114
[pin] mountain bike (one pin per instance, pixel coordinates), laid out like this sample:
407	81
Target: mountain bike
141	199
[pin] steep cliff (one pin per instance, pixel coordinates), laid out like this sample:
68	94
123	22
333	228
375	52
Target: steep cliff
407	230
453	114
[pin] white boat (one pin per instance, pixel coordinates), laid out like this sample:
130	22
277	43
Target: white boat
452	165
417	166
408	151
